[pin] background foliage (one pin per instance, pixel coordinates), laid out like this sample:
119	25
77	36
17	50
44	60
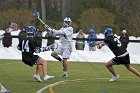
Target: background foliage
119	14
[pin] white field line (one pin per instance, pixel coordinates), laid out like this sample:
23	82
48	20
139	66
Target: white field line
56	83
67	81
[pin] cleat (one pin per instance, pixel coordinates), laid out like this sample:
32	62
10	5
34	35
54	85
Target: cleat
65	76
37	78
47	77
114	78
3	89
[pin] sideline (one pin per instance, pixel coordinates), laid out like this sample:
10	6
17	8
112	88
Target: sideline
67	81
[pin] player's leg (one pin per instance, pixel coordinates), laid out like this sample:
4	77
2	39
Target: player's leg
40	65
66	55
38	69
43	66
65	64
33	60
126	60
133	70
55	55
109	66
65	67
36	76
57	51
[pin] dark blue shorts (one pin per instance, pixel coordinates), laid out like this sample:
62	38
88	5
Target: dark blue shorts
30	59
121	60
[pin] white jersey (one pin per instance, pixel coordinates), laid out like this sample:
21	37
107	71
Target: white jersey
65	34
65	46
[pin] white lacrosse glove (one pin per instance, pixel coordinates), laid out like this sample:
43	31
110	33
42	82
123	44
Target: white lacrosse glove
47	27
51	32
99	46
37	50
45	49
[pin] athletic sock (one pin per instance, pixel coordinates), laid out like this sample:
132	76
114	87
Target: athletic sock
65	72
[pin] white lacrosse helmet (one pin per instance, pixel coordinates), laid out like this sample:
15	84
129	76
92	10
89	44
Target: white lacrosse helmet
67	21
124	31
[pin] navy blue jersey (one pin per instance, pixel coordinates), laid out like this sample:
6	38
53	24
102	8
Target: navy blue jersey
115	45
27	47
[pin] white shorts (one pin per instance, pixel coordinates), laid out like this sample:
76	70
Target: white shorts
65	52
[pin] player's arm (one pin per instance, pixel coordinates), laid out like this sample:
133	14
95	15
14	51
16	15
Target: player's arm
100	44
58	32
54	32
19	46
42	49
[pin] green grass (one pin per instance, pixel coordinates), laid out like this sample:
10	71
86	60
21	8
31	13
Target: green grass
17	77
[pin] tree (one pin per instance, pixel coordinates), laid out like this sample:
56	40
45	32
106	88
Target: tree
43	9
95	18
64	9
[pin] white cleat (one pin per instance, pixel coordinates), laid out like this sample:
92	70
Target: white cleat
37	78
114	78
47	77
65	76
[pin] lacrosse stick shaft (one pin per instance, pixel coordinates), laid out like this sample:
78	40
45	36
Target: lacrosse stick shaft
44	24
41	21
36	15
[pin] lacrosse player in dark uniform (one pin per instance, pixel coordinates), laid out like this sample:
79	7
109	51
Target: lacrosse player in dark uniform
121	55
28	46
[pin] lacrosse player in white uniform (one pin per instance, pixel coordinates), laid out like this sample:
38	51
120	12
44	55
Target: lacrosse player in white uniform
65	47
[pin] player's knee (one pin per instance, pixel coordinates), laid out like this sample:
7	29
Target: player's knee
53	54
42	61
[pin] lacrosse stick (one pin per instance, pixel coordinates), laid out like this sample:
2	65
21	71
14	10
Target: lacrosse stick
37	15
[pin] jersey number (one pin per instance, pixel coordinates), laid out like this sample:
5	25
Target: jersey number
25	46
118	42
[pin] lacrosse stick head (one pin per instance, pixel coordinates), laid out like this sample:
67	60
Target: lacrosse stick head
35	14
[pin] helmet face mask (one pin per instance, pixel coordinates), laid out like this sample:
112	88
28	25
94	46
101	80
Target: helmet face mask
67	21
30	31
108	32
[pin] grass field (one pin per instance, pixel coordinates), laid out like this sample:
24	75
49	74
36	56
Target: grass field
83	78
